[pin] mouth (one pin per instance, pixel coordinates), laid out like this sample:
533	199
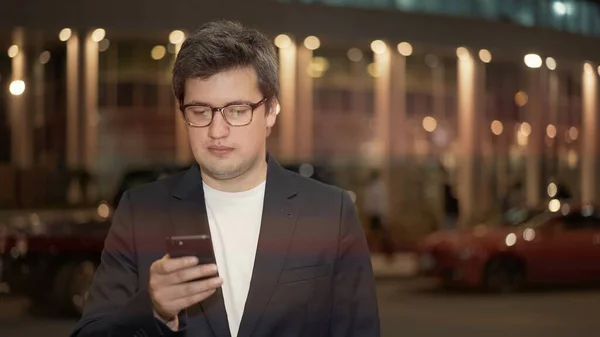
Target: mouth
220	150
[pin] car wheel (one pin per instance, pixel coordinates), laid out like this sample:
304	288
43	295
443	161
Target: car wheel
80	284
71	286
504	275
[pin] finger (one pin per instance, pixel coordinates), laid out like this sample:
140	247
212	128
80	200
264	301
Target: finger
191	288
191	273
158	264
167	265
183	303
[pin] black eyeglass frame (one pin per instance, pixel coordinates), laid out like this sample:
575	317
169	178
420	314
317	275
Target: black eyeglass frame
252	106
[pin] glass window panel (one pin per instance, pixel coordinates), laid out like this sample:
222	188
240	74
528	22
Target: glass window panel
343	102
574	16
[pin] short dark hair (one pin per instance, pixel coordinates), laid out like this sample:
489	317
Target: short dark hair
224	45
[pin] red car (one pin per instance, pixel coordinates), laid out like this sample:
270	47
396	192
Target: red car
523	246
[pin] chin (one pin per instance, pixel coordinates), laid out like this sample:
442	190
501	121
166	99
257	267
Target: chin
221	170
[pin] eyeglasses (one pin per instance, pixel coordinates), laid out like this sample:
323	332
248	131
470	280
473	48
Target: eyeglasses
235	114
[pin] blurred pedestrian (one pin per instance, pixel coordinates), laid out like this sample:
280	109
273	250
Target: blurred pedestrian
376	208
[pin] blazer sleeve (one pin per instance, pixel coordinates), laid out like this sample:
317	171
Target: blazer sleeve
354	309
115	306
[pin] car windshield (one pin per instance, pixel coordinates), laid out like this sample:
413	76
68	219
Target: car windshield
518	216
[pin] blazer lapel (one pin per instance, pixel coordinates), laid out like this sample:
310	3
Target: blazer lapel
188	217
278	222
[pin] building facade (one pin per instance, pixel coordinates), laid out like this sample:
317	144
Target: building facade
483	93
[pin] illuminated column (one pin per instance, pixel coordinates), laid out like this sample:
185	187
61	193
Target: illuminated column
398	122
287	79
382	59
536	85
90	98
469	103
399	149
305	106
383	105
21	133
553	117
485	157
72	139
39	104
589	135
183	151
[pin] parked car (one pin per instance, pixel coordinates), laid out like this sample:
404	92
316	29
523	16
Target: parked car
522	247
66	253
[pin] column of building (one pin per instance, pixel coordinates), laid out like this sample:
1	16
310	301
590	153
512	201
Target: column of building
536	84
18	109
390	118
589	141
82	116
470	92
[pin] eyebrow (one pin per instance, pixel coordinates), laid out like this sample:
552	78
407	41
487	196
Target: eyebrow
236	102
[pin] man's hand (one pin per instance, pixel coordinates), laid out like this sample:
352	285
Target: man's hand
171	290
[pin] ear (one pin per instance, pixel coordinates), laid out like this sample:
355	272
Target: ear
274	109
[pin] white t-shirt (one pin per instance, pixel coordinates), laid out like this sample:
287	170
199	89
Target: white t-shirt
234	220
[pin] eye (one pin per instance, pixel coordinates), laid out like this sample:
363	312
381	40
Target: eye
198	112
237	111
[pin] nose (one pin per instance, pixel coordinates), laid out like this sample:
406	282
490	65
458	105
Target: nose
218	128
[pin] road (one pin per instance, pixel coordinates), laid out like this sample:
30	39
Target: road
416	308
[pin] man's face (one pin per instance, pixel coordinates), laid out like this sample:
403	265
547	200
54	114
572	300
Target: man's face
224	151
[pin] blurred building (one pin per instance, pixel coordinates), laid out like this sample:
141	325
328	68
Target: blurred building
484	93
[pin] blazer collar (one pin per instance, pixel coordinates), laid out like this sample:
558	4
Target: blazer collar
280	210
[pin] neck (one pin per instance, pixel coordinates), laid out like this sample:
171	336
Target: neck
247	181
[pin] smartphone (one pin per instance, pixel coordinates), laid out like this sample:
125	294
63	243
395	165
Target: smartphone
199	246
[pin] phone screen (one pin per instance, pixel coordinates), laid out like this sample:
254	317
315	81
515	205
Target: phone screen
199	246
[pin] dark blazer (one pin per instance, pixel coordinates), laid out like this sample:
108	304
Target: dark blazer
312	274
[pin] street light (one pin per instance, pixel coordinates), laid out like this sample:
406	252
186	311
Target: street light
485	56
429	124
355	55
98	35
312	43
158	52
550	63
533	60
462	53
13	51
17	88
588	68
497	127
283	41
176	37
405	48
44	57
65	34
378	47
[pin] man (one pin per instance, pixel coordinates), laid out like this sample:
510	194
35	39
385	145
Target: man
291	256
